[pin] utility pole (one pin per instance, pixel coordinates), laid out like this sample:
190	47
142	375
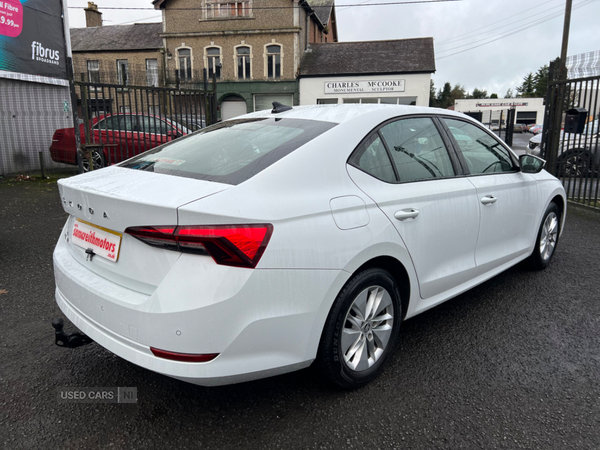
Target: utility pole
565	41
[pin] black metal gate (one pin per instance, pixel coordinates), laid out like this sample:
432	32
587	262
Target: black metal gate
119	122
573	157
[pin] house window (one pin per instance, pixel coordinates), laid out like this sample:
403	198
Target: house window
327	101
213	55
216	9
152	72
184	56
243	63
273	61
383	100
122	72
93	68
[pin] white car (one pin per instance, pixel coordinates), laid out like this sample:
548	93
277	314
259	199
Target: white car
279	238
578	154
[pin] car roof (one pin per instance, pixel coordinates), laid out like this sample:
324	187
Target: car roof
341	113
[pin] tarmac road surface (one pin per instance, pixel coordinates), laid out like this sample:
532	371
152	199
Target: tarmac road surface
514	363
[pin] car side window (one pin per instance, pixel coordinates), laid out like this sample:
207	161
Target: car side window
417	149
100	125
152	124
126	123
373	159
483	153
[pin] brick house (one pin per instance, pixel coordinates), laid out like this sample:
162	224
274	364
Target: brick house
252	47
118	54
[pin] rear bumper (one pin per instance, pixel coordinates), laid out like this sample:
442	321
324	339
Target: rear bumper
268	322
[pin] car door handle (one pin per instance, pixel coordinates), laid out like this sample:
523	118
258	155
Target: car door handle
488	200
404	214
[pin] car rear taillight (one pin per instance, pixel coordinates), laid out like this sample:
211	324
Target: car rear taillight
229	245
58	135
184	357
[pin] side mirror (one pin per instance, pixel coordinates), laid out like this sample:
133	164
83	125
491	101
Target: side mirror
531	164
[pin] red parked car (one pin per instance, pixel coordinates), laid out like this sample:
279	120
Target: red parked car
119	137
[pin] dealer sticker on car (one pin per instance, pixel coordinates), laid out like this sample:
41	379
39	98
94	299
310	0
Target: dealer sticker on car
103	242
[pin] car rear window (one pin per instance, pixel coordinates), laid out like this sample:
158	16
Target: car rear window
230	152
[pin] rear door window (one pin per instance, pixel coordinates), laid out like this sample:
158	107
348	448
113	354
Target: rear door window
417	149
373	158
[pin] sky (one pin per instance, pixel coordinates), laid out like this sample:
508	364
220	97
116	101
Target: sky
484	44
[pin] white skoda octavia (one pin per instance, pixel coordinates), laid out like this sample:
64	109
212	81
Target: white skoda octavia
264	243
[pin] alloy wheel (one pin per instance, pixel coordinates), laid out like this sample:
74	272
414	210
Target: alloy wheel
575	165
549	236
367	328
96	159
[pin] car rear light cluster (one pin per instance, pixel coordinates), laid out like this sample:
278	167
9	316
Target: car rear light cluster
57	136
230	245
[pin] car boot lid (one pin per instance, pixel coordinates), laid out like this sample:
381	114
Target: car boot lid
117	198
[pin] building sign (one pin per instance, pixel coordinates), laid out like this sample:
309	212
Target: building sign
490	105
364	87
31	38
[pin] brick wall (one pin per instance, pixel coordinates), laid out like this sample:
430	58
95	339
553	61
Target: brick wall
192	18
108	65
227	43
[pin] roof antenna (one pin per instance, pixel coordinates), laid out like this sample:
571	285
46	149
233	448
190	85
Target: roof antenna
279	108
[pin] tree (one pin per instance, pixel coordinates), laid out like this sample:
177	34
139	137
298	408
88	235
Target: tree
527	89
444	97
479	93
457	92
509	93
432	94
494	96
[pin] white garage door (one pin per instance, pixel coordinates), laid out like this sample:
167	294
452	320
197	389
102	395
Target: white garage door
232	108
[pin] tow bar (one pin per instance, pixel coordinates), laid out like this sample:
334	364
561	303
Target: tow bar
72	340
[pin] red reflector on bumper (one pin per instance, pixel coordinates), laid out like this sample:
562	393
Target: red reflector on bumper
184	357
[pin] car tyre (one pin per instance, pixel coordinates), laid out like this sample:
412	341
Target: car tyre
574	163
547	238
97	158
361	329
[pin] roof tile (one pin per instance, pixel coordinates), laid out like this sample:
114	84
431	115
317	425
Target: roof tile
369	57
139	36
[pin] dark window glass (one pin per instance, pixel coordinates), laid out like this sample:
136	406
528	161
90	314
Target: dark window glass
373	159
116	123
153	125
482	153
93	71
273	61
185	63
243	60
230	152
417	149
122	72
214	62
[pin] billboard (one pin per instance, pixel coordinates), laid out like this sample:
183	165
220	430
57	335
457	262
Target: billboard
31	38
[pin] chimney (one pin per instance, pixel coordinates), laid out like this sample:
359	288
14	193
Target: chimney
93	18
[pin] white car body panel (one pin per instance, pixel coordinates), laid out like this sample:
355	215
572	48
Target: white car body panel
508	226
442	255
329	219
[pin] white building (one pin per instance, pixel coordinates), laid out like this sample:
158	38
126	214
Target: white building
529	110
393	72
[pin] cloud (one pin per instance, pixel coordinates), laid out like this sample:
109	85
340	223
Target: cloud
496	66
